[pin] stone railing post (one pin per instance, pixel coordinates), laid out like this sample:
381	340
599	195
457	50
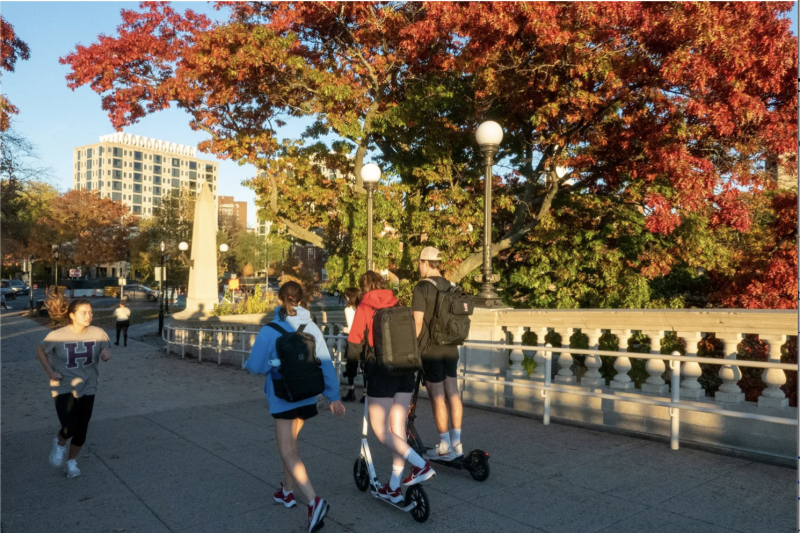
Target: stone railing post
565	374
538	356
729	391
592	377
516	370
622	381
773	397
655	384
690	386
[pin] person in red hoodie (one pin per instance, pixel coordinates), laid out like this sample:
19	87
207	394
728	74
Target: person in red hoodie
389	396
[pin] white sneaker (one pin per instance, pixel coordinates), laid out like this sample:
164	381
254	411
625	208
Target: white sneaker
458	449
438	454
71	468
58	454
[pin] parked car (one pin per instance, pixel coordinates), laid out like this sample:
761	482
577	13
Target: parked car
8	292
19	286
140	292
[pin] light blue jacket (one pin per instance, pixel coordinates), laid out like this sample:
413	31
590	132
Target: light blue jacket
264	360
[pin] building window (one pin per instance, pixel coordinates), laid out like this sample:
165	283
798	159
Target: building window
311	254
100	162
176	184
88	163
176	162
137	156
116	196
137	166
157	159
88	153
176	173
137	177
137	187
157	180
79	155
137	198
192	175
117	174
117	152
156	170
192	165
100	150
156	201
117	163
89	186
209	168
157	191
137	210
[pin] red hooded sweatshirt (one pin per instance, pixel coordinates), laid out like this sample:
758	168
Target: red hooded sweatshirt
379	299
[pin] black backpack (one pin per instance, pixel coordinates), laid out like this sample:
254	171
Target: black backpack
395	338
300	368
449	325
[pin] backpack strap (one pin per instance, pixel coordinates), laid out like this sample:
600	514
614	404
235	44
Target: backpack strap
277	328
301	328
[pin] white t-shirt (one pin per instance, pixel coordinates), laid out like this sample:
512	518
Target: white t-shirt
349	314
122	314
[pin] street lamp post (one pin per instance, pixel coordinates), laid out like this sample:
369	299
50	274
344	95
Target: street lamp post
161	291
30	282
266	261
370	175
223	248
55	272
489	136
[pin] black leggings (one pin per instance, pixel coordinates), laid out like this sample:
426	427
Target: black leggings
74	415
122	325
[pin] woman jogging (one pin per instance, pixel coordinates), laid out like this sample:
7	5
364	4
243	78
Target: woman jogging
123	315
349	313
389	396
291	416
70	357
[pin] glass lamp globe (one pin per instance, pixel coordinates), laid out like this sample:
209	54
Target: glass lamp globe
489	134
223	247
370	173
183	246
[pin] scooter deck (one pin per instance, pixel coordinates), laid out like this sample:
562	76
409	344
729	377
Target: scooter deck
401	506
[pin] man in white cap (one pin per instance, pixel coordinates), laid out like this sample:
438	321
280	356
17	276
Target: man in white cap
439	363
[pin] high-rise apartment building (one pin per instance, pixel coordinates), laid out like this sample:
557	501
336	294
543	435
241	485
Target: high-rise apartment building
237	210
140	171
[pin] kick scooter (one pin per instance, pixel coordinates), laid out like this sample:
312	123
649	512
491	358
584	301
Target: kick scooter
416	499
475	462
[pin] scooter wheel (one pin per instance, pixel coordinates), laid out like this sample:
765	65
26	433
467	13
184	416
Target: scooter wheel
360	474
422	511
478	465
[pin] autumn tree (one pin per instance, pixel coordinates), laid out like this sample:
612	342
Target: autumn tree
12	48
664	114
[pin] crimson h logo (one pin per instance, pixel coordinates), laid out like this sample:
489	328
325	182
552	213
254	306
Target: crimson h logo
73	354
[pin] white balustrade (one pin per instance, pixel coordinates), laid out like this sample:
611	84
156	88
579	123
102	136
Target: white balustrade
773	396
690	386
565	374
655	384
622	381
539	355
517	357
729	391
592	377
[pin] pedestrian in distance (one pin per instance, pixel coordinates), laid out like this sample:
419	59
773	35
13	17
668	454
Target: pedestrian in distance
3	300
291	351
439	363
389	395
123	316
70	356
351	294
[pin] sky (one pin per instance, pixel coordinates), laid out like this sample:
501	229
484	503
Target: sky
56	119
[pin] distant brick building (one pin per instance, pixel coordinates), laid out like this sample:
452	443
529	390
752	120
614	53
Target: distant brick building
312	257
230	207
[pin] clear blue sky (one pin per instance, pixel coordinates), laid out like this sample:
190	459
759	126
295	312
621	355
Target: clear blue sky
56	119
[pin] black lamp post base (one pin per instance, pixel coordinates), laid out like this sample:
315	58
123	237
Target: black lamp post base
491	302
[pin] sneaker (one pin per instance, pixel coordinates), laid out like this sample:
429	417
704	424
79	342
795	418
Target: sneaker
418	475
58	454
436	453
71	468
351	396
286	499
363	398
316	513
458	449
394	496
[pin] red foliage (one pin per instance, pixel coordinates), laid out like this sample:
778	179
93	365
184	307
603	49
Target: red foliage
11	49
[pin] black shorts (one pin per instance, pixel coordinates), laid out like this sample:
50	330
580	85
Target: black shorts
435	369
303	413
381	384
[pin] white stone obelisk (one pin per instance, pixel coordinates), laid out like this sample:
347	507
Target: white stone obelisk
203	293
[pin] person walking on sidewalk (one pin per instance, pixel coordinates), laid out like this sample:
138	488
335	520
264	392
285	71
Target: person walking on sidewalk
349	313
123	314
291	416
389	395
70	356
439	363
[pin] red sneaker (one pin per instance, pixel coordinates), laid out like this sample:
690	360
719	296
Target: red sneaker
394	496
418	475
316	513
286	499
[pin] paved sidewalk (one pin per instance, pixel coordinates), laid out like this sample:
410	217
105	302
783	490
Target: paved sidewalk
185	447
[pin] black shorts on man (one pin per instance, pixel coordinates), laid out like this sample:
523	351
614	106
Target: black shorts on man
438	362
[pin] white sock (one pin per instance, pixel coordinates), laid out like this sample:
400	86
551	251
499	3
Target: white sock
285	492
397	473
413	457
444	441
455	436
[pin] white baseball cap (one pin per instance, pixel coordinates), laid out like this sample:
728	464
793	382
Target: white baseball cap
430	254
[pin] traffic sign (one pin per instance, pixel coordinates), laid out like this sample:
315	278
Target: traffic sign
74	272
123	281
158	274
35	286
233	284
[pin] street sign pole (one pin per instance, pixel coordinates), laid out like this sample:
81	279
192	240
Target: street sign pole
30	282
